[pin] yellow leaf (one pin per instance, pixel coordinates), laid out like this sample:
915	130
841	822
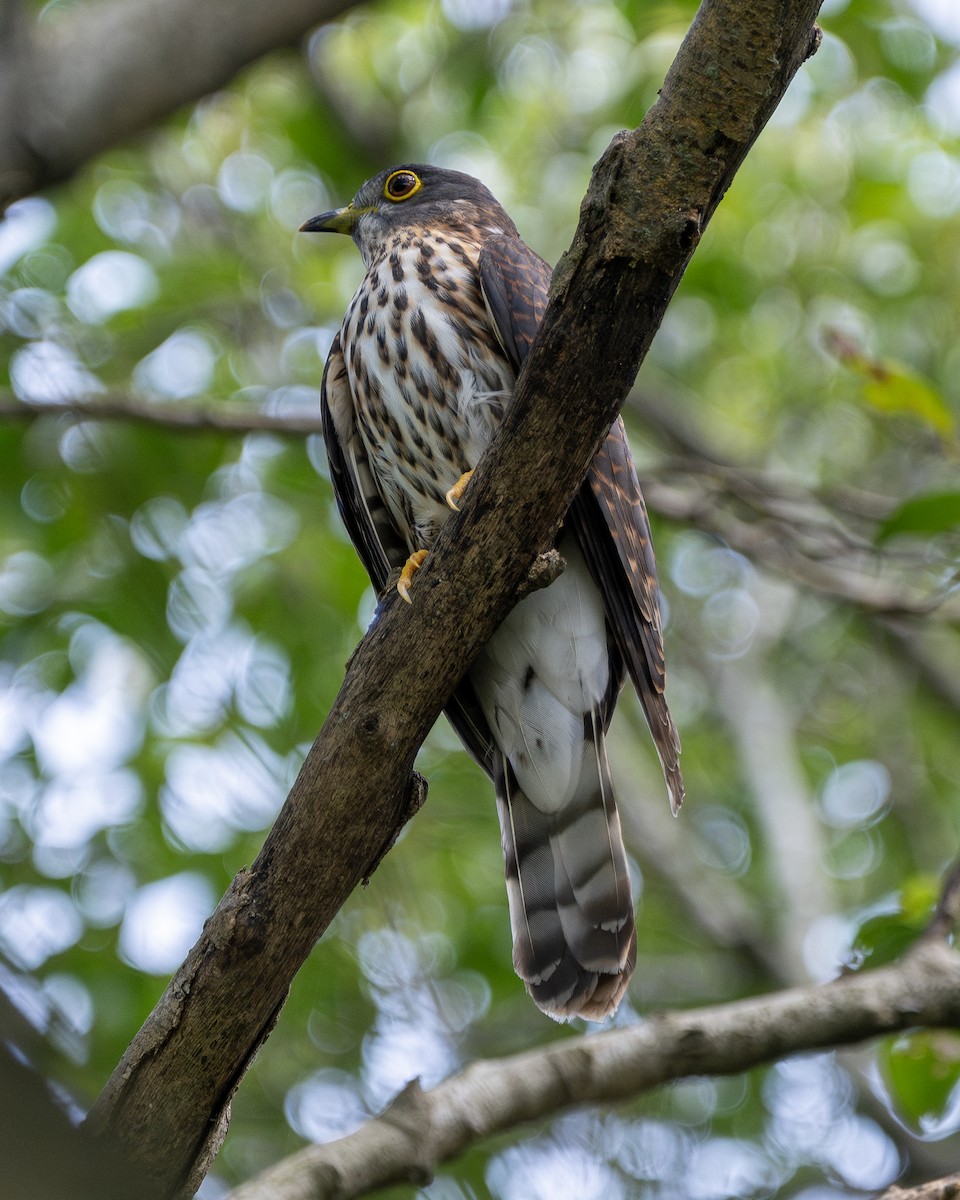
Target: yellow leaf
898	390
892	387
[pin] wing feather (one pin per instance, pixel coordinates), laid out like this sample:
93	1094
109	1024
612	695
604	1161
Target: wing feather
361	506
608	515
609	518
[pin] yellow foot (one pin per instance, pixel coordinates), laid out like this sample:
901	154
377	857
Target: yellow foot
456	492
410	568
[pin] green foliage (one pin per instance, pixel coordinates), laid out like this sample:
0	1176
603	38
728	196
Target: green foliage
930	514
176	609
922	1071
883	937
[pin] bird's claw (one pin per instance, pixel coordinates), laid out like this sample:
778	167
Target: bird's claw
410	568
455	494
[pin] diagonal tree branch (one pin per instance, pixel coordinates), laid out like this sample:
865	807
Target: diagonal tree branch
100	72
421	1130
651	196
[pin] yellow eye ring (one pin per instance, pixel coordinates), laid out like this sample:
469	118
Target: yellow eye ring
401	185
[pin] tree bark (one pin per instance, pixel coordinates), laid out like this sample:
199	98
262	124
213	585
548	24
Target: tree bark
650	198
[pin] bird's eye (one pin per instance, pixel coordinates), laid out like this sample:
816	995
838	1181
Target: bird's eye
401	185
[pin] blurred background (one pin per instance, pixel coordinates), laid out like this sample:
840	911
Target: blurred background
177	603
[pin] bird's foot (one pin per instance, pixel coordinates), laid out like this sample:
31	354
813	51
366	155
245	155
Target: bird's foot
455	495
410	568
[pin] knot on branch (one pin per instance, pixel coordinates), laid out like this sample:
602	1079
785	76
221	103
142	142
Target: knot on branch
546	569
414	798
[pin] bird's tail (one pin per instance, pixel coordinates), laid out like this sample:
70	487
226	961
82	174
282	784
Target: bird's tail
571	907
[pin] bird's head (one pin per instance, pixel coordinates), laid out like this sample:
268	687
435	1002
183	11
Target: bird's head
413	194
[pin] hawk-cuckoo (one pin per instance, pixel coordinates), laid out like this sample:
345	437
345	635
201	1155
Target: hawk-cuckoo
414	388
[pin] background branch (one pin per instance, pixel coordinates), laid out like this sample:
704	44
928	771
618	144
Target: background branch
97	73
421	1129
851	573
217	418
786	528
936	1189
760	727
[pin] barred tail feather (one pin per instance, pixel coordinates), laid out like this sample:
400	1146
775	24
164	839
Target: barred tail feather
546	682
568	884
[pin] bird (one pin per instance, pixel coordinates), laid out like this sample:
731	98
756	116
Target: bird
414	387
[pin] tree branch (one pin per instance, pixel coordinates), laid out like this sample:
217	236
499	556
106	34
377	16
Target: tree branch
821	557
764	735
421	1130
937	1189
790	530
89	77
650	198
217	418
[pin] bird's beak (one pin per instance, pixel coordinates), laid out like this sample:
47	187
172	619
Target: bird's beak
338	220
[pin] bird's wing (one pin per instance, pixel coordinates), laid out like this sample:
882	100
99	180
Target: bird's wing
368	523
515	282
372	531
608	514
609	518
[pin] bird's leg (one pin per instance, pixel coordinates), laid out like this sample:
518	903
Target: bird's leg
410	568
456	492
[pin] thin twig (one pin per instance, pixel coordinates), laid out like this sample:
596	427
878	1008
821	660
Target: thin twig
851	577
178	418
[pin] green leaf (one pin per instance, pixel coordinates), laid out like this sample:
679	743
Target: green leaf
933	513
881	940
918	898
883	937
922	1071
